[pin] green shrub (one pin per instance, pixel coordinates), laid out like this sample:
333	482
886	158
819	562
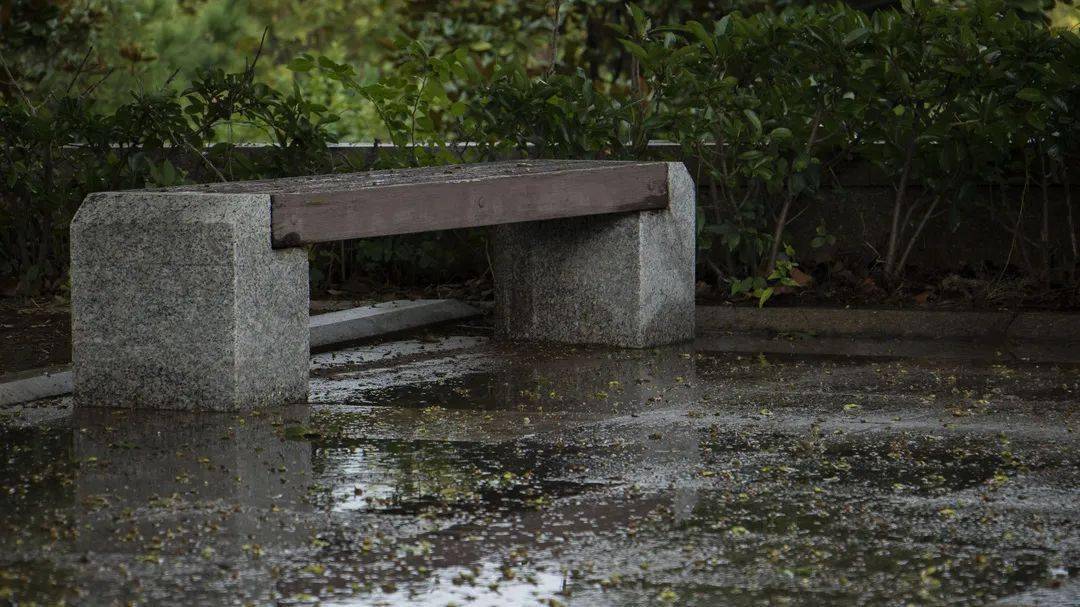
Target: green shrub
945	100
58	149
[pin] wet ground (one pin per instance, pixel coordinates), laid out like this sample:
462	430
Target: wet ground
33	334
452	469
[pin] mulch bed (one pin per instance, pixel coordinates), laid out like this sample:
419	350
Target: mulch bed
33	333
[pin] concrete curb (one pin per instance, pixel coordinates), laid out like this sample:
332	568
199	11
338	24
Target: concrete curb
989	326
380	319
1046	326
326	329
33	385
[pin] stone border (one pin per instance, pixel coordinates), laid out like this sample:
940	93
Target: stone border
326	329
973	325
382	318
36	384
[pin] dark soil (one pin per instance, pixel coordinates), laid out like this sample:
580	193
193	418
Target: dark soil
475	289
33	333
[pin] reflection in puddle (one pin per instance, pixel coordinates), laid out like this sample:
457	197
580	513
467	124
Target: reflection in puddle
363	387
502	377
391	353
483	585
433	476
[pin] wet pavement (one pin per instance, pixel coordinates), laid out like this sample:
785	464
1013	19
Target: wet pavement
451	469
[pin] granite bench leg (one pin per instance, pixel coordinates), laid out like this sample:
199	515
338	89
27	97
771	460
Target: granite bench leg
621	279
179	302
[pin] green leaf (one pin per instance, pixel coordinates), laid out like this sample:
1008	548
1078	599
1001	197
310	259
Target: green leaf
639	17
458	109
721	27
636	50
1030	94
764	296
168	172
742	286
754	120
780	133
702	35
328	64
855	36
301	63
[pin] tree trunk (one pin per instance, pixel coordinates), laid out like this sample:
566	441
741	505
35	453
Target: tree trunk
915	235
898	208
778	233
1071	222
781	221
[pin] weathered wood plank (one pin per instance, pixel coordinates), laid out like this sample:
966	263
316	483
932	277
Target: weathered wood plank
381	203
465	201
308	217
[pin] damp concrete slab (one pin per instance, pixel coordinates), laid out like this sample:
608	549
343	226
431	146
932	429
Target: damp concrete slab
455	468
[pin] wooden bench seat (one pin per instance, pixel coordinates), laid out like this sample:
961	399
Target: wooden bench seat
326	208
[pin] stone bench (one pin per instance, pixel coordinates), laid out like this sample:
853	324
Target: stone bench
196	297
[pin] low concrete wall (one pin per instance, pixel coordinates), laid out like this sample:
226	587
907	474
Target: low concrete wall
986	326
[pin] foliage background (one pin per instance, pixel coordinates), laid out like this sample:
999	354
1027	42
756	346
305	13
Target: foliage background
964	109
145	44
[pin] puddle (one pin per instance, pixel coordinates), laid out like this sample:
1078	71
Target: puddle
902	463
433	477
507	377
483	585
456	469
113	493
812	548
390	353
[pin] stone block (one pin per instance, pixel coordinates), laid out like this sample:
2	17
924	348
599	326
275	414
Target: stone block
620	279
179	302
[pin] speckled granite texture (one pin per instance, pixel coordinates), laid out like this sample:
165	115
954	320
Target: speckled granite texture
623	280
178	302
